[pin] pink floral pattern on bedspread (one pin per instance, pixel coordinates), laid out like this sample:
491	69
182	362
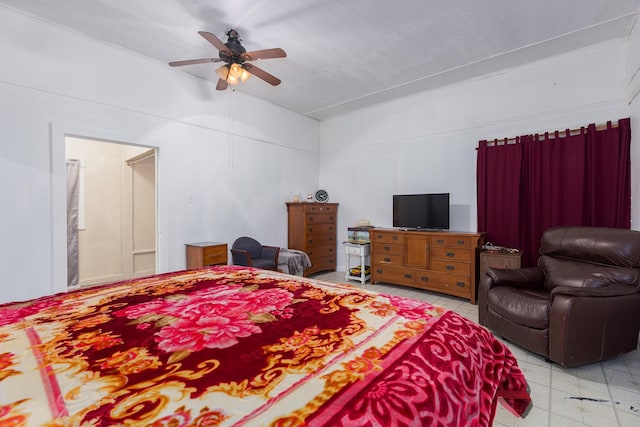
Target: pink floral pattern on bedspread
229	346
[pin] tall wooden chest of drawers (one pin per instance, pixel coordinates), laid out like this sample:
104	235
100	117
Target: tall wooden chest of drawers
438	261
312	229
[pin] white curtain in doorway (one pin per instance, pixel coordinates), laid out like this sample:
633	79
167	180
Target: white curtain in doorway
73	198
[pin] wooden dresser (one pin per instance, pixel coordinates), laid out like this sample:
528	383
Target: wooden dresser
438	261
312	229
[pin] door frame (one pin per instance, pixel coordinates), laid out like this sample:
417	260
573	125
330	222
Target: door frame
58	132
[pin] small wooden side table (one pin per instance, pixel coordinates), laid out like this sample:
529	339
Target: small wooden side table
202	254
362	251
499	260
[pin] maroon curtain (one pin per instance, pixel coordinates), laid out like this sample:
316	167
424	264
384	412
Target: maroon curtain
540	181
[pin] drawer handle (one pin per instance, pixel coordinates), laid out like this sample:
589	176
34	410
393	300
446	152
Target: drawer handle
330	238
450	267
450	254
378	270
408	276
440	241
387	248
331	250
424	278
387	259
331	228
331	218
310	218
394	237
310	229
461	242
310	241
460	284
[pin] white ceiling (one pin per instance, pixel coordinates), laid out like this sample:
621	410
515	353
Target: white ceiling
346	54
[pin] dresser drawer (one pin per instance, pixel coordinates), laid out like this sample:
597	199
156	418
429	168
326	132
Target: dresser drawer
379	258
449	283
325	263
451	241
321	218
361	250
452	267
387	237
320	251
454	254
316	229
393	274
388	249
321	209
214	255
320	239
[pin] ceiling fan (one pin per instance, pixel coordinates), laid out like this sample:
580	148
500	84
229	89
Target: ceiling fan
236	58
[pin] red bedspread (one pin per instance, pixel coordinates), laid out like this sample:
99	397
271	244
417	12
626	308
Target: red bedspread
237	346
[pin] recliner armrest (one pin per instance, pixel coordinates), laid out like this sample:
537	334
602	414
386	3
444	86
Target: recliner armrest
530	277
599	292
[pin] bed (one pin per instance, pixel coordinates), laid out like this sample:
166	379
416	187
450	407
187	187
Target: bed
231	345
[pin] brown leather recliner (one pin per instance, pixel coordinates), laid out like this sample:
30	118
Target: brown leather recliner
581	304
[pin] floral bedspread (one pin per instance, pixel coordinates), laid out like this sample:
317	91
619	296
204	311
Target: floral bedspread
231	345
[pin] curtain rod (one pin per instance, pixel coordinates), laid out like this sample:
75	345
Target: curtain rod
566	132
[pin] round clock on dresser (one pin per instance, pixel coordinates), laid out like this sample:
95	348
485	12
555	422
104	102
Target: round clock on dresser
321	196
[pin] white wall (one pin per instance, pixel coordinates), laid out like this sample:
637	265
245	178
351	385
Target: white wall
227	163
426	142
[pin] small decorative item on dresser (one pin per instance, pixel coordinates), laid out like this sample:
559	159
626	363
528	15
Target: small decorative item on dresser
321	196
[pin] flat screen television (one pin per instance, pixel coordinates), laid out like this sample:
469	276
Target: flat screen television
421	211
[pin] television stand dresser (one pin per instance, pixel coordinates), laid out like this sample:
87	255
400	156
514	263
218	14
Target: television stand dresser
440	261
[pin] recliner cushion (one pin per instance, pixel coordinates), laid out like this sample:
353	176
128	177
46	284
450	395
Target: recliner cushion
574	273
263	263
526	307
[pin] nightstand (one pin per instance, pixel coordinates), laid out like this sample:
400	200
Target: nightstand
499	260
360	250
202	254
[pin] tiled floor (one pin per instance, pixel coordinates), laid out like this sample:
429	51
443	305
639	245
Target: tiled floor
600	395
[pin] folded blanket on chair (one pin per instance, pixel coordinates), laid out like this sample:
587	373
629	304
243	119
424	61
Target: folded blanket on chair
294	260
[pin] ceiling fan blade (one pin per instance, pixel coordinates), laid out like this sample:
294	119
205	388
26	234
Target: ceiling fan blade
211	38
222	85
262	74
194	61
264	54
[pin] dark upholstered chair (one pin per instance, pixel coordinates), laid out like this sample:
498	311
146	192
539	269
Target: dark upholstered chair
581	304
249	252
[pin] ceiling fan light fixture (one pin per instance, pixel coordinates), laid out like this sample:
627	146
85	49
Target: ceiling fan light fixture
245	75
223	72
237	73
235	70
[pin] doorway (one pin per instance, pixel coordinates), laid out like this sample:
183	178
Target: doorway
116	212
